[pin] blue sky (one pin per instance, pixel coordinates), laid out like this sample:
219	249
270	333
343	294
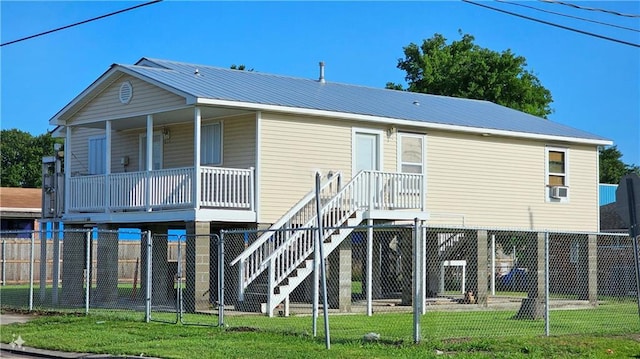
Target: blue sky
595	83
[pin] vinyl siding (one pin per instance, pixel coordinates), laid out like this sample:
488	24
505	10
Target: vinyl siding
239	142
146	98
500	182
293	149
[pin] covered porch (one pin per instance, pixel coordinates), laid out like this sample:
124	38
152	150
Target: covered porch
168	163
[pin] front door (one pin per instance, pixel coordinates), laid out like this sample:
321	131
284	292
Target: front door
367	155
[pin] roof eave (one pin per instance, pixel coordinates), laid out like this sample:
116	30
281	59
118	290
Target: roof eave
401	122
59	119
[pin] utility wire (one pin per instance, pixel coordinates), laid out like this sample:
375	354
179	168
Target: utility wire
569	16
590	8
80	23
556	25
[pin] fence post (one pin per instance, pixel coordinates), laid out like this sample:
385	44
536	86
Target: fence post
31	260
369	267
147	313
493	264
221	279
43	263
546	283
323	268
4	262
179	280
87	271
417	278
55	270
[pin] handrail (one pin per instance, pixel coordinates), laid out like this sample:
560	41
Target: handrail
286	218
312	221
286	244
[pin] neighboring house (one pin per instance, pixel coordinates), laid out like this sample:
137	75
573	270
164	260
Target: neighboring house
20	210
163	144
610	220
607	193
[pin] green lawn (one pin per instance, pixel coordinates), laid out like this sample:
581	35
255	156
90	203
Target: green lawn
612	332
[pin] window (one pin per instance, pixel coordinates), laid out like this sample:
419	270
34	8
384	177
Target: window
410	160
211	144
411	154
557	174
97	154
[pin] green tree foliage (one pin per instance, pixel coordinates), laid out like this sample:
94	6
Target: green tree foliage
464	69
22	158
240	67
611	166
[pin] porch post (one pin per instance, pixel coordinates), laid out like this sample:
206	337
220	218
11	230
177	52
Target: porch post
67	170
149	163
256	183
197	121
107	173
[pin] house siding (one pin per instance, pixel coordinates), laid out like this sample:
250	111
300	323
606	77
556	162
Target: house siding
239	142
295	148
146	98
492	181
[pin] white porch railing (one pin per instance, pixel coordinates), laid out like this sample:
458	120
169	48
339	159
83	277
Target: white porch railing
162	189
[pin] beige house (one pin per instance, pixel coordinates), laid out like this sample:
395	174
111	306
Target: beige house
163	144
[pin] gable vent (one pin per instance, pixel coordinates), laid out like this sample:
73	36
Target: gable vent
126	92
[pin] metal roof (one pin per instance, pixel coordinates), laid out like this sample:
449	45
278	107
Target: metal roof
207	82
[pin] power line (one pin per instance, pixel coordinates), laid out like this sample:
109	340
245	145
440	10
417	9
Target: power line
569	16
80	23
589	8
556	25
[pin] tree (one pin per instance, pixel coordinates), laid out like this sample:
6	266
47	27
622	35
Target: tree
22	158
240	67
611	166
464	69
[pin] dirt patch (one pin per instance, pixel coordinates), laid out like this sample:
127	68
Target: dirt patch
38	312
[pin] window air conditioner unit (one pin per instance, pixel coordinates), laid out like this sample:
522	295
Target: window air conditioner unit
559	192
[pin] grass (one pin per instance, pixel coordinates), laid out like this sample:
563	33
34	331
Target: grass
608	331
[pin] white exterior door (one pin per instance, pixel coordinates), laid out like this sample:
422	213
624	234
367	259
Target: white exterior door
367	154
97	154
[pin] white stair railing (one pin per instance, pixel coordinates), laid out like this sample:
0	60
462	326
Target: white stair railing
299	246
283	248
251	261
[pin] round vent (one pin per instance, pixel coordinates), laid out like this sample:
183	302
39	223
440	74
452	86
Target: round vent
126	92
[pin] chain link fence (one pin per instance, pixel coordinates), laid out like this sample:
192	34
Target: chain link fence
402	281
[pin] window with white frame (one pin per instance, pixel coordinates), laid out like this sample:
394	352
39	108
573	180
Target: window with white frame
410	160
211	144
97	154
557	174
411	153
